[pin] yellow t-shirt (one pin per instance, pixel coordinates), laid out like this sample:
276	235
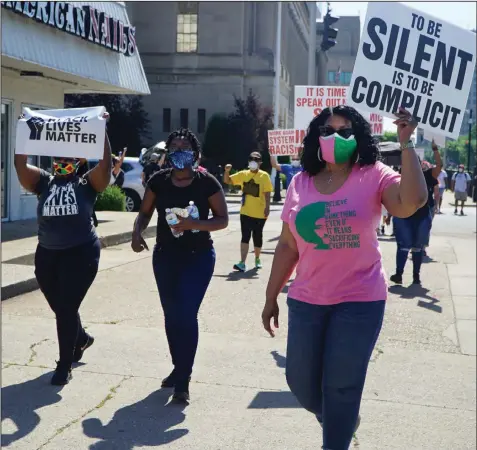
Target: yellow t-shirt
254	185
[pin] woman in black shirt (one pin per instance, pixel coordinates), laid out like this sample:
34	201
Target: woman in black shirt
67	256
183	265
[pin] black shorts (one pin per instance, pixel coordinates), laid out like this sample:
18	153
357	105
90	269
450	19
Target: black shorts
252	227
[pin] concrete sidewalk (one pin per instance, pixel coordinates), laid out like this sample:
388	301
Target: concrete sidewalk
19	241
420	392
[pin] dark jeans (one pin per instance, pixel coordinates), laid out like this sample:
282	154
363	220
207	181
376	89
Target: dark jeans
411	234
64	277
182	280
328	351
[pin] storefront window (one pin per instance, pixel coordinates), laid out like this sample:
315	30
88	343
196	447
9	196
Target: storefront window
5	136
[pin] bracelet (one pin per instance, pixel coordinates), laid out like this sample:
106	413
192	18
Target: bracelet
410	144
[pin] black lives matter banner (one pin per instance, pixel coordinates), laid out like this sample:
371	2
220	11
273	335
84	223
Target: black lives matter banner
86	22
75	132
410	59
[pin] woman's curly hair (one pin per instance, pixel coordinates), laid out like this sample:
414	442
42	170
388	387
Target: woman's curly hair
366	154
184	133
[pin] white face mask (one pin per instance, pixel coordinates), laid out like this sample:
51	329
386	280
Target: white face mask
295	163
253	165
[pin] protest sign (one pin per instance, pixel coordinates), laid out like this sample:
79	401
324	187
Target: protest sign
438	139
284	142
411	59
75	133
311	100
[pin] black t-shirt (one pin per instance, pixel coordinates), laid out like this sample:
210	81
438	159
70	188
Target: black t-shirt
431	182
202	187
149	170
65	208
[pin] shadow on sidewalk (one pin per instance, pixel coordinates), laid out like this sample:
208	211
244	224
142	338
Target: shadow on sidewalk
20	402
415	291
274	399
236	275
280	360
142	424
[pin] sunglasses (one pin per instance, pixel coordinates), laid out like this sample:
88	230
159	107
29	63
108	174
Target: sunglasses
343	132
255	159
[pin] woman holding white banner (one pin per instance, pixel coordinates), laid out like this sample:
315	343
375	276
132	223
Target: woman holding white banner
67	256
337	299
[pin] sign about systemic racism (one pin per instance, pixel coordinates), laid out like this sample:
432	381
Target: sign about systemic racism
311	100
284	142
85	22
411	59
75	133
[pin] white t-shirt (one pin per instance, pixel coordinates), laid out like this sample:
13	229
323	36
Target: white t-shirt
461	180
442	178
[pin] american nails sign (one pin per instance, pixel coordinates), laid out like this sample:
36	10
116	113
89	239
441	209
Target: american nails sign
87	23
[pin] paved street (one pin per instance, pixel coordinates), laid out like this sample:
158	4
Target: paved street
420	392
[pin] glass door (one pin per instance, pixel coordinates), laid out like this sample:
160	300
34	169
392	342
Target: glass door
5	143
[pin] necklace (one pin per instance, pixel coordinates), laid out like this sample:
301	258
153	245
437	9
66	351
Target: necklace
330	179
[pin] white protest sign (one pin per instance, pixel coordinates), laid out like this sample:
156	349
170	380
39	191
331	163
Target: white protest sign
412	59
438	139
75	133
311	100
284	142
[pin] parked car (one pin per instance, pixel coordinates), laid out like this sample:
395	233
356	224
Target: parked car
132	185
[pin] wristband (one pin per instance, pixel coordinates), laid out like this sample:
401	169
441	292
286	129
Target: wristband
410	144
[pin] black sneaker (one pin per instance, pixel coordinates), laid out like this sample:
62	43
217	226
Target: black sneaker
170	380
462	212
78	353
396	278
62	374
181	392
416	280
455	212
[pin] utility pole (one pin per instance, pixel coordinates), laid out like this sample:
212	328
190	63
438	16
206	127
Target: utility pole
312	45
276	110
469	147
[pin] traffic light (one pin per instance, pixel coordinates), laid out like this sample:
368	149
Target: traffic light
329	33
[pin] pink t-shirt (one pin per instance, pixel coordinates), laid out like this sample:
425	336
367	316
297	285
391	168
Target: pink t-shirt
339	255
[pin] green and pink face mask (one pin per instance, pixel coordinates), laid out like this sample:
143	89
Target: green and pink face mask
336	149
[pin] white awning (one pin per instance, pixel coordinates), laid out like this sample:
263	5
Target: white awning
31	45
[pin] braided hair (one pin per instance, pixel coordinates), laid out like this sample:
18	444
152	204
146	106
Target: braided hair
184	133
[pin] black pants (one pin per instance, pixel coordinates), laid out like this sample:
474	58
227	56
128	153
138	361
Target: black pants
64	277
252	227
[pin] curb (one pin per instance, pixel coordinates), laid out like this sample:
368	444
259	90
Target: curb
30	285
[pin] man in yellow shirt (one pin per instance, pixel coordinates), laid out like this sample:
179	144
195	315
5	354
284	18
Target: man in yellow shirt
256	188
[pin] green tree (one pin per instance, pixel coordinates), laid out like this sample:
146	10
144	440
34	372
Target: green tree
388	136
249	125
129	125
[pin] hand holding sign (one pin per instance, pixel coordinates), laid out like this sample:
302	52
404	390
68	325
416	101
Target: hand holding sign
406	125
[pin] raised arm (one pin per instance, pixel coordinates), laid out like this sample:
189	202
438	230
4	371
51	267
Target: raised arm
274	162
28	175
405	198
437	156
100	175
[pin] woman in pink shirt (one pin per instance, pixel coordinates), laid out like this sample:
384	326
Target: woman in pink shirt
336	301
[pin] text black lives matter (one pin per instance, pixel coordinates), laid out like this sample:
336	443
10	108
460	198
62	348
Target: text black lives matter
68	130
412	85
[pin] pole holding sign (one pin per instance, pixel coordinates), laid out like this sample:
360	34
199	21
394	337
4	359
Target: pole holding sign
74	133
411	59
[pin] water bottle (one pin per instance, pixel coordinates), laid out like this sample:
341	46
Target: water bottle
193	213
172	219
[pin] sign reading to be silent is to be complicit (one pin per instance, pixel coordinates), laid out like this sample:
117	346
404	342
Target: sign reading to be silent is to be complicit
411	59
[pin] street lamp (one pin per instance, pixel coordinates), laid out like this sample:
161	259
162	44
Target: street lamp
469	147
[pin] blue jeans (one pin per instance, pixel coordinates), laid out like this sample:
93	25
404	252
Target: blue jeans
328	351
411	234
182	280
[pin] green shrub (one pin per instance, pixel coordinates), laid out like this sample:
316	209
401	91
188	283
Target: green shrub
111	199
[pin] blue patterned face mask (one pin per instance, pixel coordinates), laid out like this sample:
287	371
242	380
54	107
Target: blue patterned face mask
182	159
